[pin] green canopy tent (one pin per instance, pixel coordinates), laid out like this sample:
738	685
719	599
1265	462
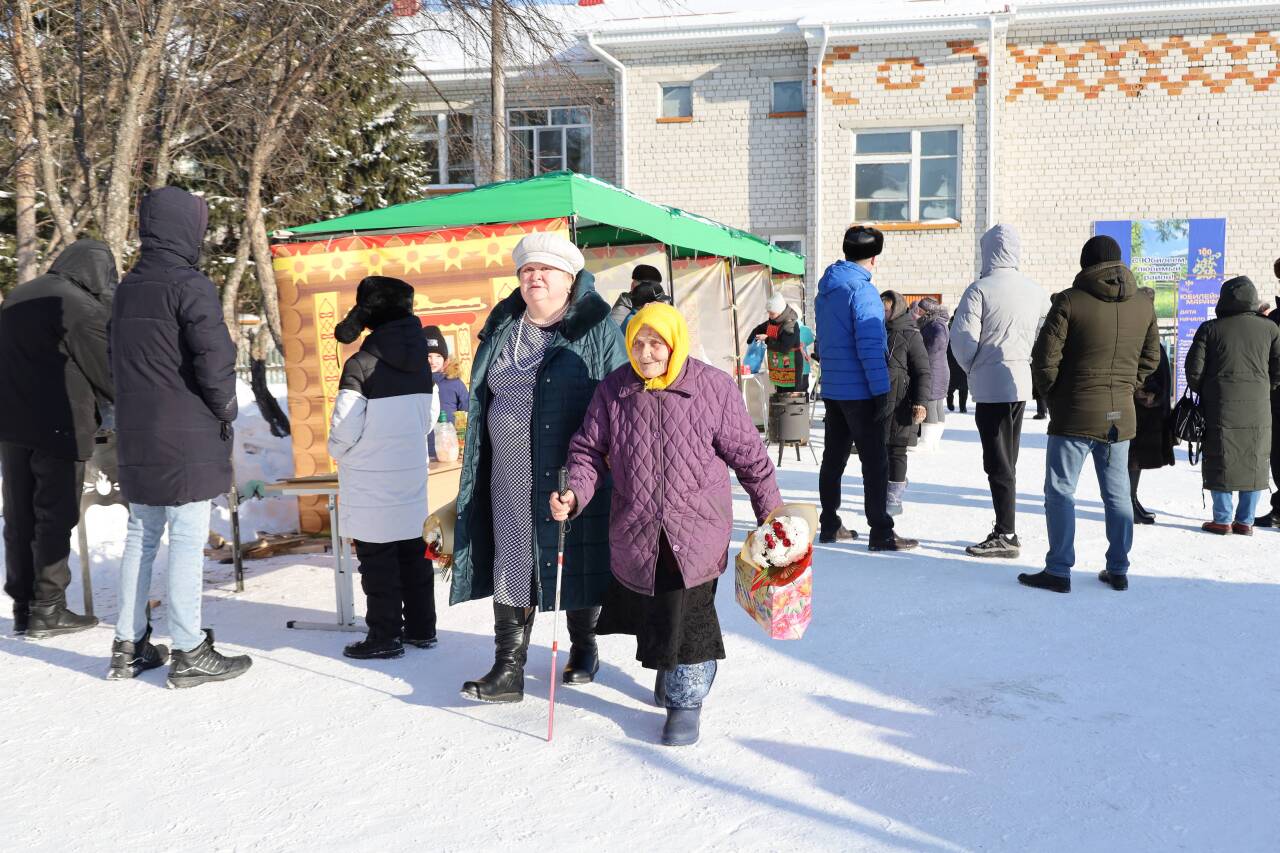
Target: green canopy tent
601	214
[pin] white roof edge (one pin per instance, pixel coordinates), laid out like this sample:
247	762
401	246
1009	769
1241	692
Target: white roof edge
583	68
974	22
788	30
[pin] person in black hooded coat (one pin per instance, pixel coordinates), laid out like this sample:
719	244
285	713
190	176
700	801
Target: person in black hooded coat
53	381
910	383
174	367
1152	446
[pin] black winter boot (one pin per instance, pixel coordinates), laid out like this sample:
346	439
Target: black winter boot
839	534
505	681
1117	582
419	642
128	660
204	663
373	647
584	656
893	542
21	615
682	727
52	620
660	689
1044	580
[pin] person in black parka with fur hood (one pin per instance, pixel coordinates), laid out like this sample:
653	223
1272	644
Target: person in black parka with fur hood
910	384
53	381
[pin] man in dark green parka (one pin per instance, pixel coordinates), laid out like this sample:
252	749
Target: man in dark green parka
1234	363
1098	344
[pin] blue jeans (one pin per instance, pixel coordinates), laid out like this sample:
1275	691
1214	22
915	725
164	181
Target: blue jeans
188	530
1244	510
1063	462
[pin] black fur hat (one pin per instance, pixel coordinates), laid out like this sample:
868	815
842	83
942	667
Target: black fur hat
645	272
379	299
862	242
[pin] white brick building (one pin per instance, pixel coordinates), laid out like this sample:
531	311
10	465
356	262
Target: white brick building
795	122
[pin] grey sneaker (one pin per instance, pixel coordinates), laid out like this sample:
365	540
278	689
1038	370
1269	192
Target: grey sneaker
204	663
1004	545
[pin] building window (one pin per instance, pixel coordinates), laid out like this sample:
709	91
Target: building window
448	144
790	242
677	101
788	97
549	140
907	175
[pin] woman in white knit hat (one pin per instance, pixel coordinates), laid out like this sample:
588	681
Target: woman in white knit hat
542	352
787	342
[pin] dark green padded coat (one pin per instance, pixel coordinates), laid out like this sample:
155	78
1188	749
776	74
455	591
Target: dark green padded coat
586	348
1233	364
1098	344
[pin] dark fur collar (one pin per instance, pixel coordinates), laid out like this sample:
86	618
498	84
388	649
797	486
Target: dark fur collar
586	311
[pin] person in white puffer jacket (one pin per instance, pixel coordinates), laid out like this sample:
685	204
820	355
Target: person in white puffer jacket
994	329
385	408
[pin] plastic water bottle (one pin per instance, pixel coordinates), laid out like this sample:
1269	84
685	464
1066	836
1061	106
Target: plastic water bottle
446	440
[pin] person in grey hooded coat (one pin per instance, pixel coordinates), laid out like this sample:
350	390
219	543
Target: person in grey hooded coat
995	326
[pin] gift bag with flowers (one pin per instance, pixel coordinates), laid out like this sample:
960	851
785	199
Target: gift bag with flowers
774	571
437	534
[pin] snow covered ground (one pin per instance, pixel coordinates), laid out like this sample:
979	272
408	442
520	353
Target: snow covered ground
933	705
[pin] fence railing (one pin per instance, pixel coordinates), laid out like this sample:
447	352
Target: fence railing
275	366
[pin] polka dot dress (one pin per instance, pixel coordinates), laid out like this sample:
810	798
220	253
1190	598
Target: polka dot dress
512	380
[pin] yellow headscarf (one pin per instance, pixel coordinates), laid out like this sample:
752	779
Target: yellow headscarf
670	326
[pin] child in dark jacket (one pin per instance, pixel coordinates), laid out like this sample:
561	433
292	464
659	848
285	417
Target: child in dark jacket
909	388
384	409
450	390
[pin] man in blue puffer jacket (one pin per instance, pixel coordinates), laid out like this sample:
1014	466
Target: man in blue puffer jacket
855	388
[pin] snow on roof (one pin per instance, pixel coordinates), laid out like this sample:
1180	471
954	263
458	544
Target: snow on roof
648	19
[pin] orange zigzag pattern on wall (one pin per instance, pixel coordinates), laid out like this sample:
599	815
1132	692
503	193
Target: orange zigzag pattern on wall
890	73
1144	66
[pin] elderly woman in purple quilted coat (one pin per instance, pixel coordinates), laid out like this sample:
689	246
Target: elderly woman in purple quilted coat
668	427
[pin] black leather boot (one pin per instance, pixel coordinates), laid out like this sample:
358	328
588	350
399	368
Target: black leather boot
373	647
584	656
505	681
52	620
21	614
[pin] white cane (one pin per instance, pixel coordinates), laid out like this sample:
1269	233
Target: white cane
555	614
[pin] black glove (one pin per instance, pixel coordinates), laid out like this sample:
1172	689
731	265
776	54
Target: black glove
227	431
880	405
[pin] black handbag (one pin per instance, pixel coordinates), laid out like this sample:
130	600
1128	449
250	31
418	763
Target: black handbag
1187	419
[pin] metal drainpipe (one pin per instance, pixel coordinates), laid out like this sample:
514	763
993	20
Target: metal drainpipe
613	62
992	84
815	249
